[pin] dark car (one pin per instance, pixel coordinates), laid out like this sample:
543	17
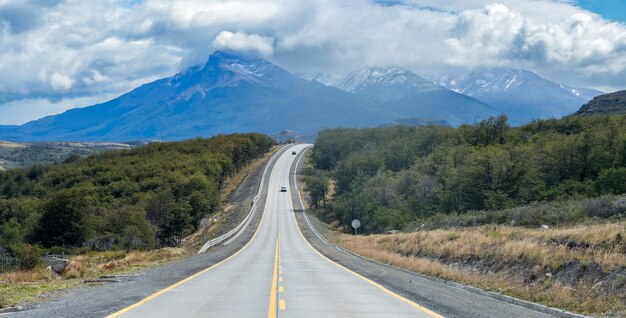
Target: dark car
293	152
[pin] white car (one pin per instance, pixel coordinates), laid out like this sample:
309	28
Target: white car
283	189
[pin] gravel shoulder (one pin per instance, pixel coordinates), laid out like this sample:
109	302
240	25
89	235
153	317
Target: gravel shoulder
99	300
446	298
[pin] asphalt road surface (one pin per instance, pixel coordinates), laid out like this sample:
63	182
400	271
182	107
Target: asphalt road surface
277	274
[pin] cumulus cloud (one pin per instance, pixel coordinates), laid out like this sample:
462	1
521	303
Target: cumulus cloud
498	35
244	42
61	82
66	49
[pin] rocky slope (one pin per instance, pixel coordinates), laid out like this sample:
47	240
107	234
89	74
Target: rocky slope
613	103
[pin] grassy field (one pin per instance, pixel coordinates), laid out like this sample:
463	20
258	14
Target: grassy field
579	268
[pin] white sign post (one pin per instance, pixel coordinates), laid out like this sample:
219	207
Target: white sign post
204	224
355	224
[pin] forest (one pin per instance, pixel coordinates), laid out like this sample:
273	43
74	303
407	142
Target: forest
546	172
142	198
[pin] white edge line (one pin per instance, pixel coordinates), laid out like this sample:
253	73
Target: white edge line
295	182
244	223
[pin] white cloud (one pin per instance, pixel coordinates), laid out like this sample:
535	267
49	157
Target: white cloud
61	49
244	42
498	35
61	82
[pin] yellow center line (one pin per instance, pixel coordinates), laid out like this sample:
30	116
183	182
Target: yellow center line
183	281
282	304
271	307
281	289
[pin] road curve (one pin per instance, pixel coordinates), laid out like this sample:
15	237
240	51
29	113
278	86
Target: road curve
277	274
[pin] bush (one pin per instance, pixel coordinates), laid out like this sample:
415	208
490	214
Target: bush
603	208
29	255
612	181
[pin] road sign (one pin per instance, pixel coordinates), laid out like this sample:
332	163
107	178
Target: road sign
204	222
356	223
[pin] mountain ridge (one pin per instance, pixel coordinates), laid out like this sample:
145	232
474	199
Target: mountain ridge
522	95
403	91
234	92
230	93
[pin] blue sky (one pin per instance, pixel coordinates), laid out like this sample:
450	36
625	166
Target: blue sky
609	9
60	54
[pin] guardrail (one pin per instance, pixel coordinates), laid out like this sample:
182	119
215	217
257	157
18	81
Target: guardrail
248	217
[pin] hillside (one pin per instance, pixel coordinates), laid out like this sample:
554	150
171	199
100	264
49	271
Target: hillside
141	198
15	155
416	122
399	177
613	103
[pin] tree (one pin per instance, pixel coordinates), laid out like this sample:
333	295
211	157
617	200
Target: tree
612	180
317	186
62	221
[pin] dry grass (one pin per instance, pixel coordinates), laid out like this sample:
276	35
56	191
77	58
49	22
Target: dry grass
501	258
509	244
26	286
11	145
119	262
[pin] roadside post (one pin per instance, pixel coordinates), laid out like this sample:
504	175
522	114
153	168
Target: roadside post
355	225
204	224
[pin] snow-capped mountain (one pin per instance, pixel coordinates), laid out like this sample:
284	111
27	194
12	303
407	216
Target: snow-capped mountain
406	93
230	93
518	93
385	84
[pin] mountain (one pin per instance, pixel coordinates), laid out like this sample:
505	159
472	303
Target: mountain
230	93
613	103
520	94
416	122
405	93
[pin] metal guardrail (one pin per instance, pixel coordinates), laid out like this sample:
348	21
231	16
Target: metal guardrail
248	217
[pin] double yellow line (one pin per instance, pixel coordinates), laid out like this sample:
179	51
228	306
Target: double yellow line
271	307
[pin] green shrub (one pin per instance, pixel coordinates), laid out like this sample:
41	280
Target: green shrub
29	255
603	208
612	180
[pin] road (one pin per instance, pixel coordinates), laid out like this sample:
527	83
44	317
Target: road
276	274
